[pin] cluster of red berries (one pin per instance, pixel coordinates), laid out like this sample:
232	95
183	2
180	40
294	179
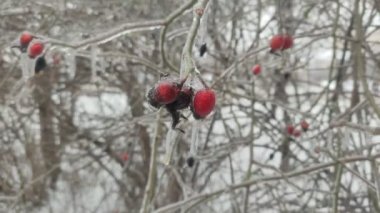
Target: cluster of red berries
175	96
277	43
280	43
292	131
34	48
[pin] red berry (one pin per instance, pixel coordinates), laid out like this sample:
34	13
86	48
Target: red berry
35	49
304	125
281	42
25	39
203	103
124	156
290	129
256	69
277	42
296	133
166	92
288	42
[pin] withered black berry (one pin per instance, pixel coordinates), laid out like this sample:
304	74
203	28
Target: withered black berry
182	102
175	116
287	75
271	156
202	49
183	99
190	161
152	99
40	65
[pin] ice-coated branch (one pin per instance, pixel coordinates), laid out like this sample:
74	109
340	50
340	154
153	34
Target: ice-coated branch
150	186
186	62
109	35
172	17
186	65
256	181
194	139
121	30
170	143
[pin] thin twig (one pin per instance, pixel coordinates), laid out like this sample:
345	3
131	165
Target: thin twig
108	35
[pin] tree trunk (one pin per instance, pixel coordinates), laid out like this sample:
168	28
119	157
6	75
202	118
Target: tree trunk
49	147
